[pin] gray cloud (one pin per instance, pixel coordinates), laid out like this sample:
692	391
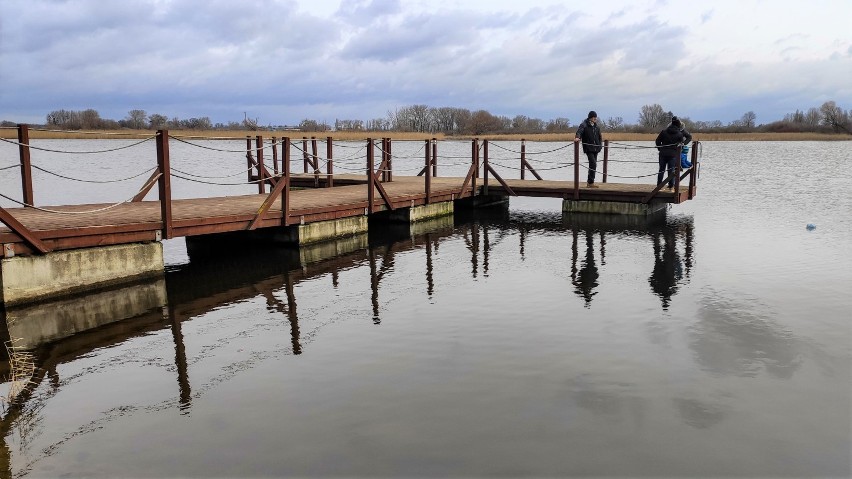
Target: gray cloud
282	63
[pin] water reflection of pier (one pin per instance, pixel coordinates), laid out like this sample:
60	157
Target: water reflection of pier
210	282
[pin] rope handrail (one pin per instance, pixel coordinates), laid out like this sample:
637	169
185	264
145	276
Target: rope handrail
627	146
10	167
241	172
17	143
85	132
98	210
241	150
509	167
93	181
529	152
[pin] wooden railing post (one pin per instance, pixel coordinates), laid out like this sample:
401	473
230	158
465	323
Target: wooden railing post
427	163
475	166
477	157
275	155
678	169
329	152
485	166
390	159
315	162
434	157
26	166
523	157
261	184
249	158
576	170
305	152
370	185
165	183
384	159
693	174
606	159
285	169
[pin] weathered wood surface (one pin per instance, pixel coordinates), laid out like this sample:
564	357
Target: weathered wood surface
140	221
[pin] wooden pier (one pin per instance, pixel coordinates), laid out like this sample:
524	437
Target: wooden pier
321	196
74	247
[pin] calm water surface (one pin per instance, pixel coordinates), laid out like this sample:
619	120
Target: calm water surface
713	342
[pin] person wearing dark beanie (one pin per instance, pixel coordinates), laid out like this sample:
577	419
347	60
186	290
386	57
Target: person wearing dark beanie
669	143
589	133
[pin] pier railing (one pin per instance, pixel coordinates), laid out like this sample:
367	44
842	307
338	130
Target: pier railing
280	178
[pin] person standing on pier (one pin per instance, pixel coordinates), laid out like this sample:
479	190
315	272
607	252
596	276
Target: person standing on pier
590	135
669	143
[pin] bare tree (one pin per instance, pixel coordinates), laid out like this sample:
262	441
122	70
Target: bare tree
653	116
614	123
136	119
248	123
835	117
157	121
420	118
482	122
812	117
748	119
90	119
558	124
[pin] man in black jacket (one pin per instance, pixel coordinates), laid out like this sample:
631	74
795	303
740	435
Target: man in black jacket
669	143
590	135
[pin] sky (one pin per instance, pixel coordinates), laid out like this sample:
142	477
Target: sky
284	61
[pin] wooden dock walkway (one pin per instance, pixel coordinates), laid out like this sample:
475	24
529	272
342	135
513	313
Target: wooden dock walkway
140	221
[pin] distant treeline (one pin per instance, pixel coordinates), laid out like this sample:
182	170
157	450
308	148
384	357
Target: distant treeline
828	118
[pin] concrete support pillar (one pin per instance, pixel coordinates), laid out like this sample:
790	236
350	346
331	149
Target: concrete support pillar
612	208
416	213
28	279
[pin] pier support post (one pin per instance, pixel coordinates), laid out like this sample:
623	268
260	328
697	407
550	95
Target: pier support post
28	279
612	208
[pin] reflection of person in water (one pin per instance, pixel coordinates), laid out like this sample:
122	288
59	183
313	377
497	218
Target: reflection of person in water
668	269
587	278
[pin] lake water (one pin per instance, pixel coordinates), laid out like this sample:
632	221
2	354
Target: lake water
714	342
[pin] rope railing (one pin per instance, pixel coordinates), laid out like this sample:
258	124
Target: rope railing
17	143
531	152
97	210
87	132
92	181
241	172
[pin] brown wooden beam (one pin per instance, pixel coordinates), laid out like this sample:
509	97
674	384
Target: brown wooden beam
267	203
23	232
501	181
26	167
146	187
165	182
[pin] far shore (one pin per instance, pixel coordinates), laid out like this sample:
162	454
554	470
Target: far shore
39	133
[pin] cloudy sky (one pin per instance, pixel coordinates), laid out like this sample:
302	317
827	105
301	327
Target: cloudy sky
282	61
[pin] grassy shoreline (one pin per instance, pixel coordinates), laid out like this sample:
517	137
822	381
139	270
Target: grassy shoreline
11	133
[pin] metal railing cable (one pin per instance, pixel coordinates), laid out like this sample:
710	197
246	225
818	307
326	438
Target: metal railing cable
10	167
77	152
97	210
